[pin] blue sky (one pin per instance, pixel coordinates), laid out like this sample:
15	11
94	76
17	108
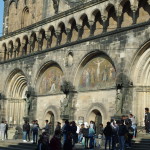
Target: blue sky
1	16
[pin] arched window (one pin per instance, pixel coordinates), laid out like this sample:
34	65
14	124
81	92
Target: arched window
25	17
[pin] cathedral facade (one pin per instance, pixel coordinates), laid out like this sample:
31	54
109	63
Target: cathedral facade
101	48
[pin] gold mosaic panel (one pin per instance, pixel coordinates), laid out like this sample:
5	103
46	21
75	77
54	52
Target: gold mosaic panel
51	81
97	74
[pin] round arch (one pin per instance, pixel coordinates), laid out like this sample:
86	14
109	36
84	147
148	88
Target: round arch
140	74
16	84
52	72
96	109
140	64
86	59
15	88
51	114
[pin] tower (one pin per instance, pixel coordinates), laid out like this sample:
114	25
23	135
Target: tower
5	17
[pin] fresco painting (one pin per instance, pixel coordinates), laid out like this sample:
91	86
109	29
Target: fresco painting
51	81
98	73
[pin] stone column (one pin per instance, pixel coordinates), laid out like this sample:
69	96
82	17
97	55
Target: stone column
68	31
58	33
80	30
91	23
134	10
104	19
39	43
47	36
30	45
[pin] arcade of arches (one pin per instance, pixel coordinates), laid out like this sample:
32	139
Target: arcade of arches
99	50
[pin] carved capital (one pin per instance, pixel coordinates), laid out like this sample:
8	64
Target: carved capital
104	18
57	32
79	27
134	8
91	23
47	36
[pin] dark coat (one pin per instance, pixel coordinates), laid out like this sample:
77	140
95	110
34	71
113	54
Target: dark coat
108	131
85	132
122	130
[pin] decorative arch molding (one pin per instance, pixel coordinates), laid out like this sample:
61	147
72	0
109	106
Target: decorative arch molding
25	17
52	72
52	109
16	84
97	106
140	68
15	1
86	59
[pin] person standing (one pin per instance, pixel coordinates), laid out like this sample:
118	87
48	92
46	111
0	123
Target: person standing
58	129
114	134
73	131
91	137
2	130
67	140
55	142
99	135
35	129
147	120
25	131
6	131
134	124
80	135
86	135
108	134
47	127
122	131
28	131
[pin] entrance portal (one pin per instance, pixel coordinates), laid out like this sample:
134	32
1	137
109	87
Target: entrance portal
50	117
95	116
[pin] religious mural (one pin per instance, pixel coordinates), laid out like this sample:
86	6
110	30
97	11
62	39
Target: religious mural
98	73
51	81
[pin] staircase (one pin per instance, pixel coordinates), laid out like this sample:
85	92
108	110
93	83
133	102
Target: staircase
142	142
16	145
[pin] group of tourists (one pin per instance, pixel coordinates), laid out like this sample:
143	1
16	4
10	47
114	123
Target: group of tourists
3	130
118	133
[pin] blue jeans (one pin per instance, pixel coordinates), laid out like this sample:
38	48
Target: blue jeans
35	137
121	142
24	135
91	141
107	140
64	138
135	130
114	141
80	137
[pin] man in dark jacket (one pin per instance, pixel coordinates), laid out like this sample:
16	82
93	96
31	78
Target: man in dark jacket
35	129
122	131
6	130
108	134
28	131
147	120
58	129
25	131
85	132
67	140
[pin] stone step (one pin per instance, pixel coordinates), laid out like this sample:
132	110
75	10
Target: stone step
14	148
14	145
